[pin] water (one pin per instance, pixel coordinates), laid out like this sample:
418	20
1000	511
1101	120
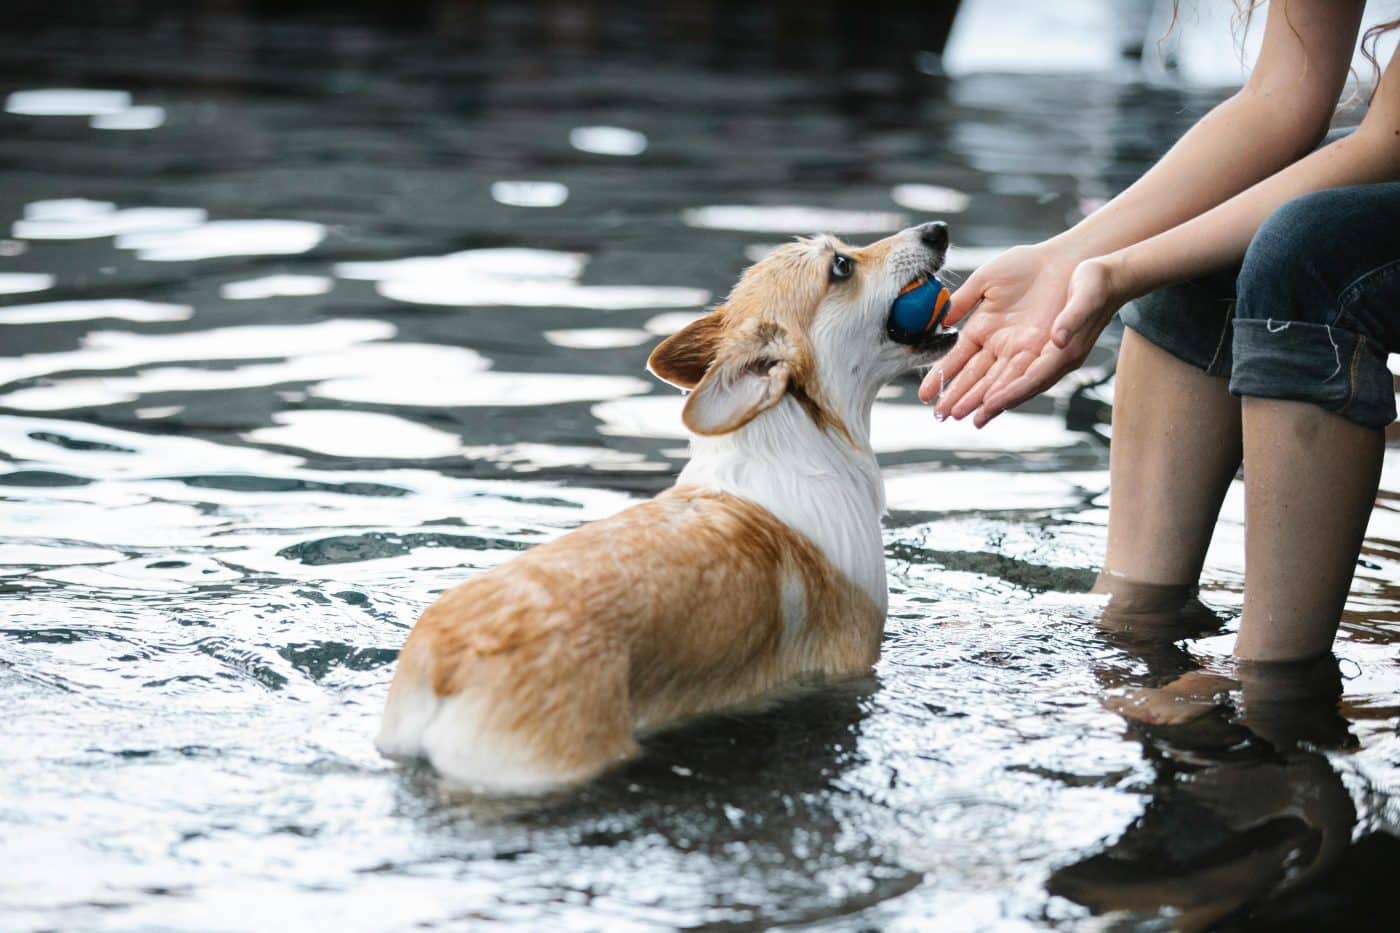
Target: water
306	319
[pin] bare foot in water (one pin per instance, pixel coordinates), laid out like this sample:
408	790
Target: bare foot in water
1190	696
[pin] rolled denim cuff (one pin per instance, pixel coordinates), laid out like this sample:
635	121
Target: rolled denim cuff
1338	369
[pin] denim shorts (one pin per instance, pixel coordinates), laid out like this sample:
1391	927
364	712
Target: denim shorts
1309	315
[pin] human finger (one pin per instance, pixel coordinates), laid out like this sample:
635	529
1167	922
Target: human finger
984	416
947	368
972	398
1076	316
1013	370
970	375
1040	375
1070	321
965	298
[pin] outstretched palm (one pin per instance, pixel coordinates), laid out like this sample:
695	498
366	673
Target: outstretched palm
1005	353
1021	292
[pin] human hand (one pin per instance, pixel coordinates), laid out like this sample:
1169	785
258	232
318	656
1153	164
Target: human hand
1038	319
1093	300
1020	293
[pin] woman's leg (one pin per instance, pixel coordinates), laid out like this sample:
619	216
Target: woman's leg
1310	479
1176	442
1319	306
1176	447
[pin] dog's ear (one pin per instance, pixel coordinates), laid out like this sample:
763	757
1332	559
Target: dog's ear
729	397
682	358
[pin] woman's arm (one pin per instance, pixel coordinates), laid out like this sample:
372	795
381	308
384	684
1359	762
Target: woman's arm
1222	234
1099	287
1280	114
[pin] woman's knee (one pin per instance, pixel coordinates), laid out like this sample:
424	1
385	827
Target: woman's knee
1298	333
1279	278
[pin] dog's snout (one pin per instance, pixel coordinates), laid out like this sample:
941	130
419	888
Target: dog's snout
934	235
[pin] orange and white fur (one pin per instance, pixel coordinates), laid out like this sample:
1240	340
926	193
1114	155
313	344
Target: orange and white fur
760	571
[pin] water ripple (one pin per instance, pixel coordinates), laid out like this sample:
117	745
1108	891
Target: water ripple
302	372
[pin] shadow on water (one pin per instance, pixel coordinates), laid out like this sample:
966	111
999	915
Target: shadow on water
308	312
1246	812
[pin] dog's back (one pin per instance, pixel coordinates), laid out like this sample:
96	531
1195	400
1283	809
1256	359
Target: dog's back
538	675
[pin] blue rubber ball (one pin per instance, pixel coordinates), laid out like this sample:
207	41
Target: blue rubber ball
918	310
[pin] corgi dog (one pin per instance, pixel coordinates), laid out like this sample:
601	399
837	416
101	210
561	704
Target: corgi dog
760	571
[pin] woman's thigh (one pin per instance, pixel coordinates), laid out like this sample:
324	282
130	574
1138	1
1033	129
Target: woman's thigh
1318	303
1190	320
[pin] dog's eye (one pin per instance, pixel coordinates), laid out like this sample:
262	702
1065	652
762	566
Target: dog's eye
842	266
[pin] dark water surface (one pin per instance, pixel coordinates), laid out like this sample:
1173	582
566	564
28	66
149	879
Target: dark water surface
318	315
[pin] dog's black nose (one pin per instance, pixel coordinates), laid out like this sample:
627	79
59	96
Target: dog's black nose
934	235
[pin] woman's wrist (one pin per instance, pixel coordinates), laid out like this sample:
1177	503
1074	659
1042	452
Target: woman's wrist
1071	247
1091	238
1126	276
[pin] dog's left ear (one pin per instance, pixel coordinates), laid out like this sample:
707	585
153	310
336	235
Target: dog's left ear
730	396
682	358
728	389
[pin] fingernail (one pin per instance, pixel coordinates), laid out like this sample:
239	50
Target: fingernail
1061	336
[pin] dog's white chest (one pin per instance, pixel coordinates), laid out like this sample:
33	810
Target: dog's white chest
816	485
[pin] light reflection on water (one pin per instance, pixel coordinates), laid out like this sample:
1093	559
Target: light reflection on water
272	286
107	110
165	234
80	219
789	218
238	460
931	199
66	102
510	277
530	193
16	283
124	309
608	140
